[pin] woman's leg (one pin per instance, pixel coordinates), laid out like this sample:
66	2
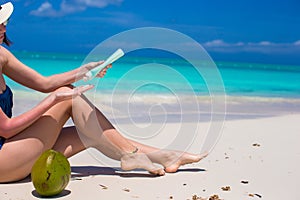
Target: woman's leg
19	153
95	131
68	142
109	141
171	160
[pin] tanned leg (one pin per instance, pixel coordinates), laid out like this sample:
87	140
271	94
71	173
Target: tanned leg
171	160
19	153
90	122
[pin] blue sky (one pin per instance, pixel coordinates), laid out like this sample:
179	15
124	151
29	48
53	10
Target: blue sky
248	30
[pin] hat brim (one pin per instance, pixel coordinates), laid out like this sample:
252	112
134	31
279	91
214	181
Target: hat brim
6	11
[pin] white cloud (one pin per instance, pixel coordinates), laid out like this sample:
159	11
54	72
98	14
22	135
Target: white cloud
71	6
94	3
45	9
297	43
265	43
260	47
221	43
215	43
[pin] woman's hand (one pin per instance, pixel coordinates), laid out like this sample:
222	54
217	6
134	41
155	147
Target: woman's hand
102	73
68	93
89	66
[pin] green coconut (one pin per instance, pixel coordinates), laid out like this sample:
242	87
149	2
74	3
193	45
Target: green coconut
50	173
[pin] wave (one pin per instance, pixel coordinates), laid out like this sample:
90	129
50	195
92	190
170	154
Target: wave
155	108
151	98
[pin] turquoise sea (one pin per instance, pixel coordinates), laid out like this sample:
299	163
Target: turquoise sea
249	87
240	79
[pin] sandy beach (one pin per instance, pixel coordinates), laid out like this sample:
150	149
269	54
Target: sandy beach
256	157
203	77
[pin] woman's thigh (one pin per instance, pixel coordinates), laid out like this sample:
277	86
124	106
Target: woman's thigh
19	153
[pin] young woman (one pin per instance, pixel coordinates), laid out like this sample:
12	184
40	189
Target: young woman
23	138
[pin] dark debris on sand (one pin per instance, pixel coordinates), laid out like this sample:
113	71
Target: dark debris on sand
103	187
226	188
213	197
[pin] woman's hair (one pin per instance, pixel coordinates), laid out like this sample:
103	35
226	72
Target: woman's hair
6	40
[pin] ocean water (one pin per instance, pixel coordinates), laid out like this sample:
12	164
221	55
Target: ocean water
166	84
240	79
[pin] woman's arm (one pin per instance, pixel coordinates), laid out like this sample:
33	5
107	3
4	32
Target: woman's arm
28	77
12	126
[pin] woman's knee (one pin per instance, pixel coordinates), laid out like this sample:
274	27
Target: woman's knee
66	105
65	88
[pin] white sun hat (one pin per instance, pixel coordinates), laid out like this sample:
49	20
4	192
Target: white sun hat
5	11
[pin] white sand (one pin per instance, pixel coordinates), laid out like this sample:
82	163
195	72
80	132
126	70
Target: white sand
270	168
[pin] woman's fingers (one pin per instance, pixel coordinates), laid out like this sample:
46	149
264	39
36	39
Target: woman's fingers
65	95
84	88
92	65
102	73
83	74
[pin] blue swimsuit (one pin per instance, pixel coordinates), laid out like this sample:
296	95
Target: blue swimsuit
6	104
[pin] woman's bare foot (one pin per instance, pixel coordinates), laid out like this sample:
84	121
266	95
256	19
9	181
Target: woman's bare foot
172	160
140	160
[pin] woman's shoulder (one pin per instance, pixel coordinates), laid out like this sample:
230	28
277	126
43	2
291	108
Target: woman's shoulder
4	51
4	55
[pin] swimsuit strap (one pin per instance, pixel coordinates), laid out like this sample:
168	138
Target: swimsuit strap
6	101
6	104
